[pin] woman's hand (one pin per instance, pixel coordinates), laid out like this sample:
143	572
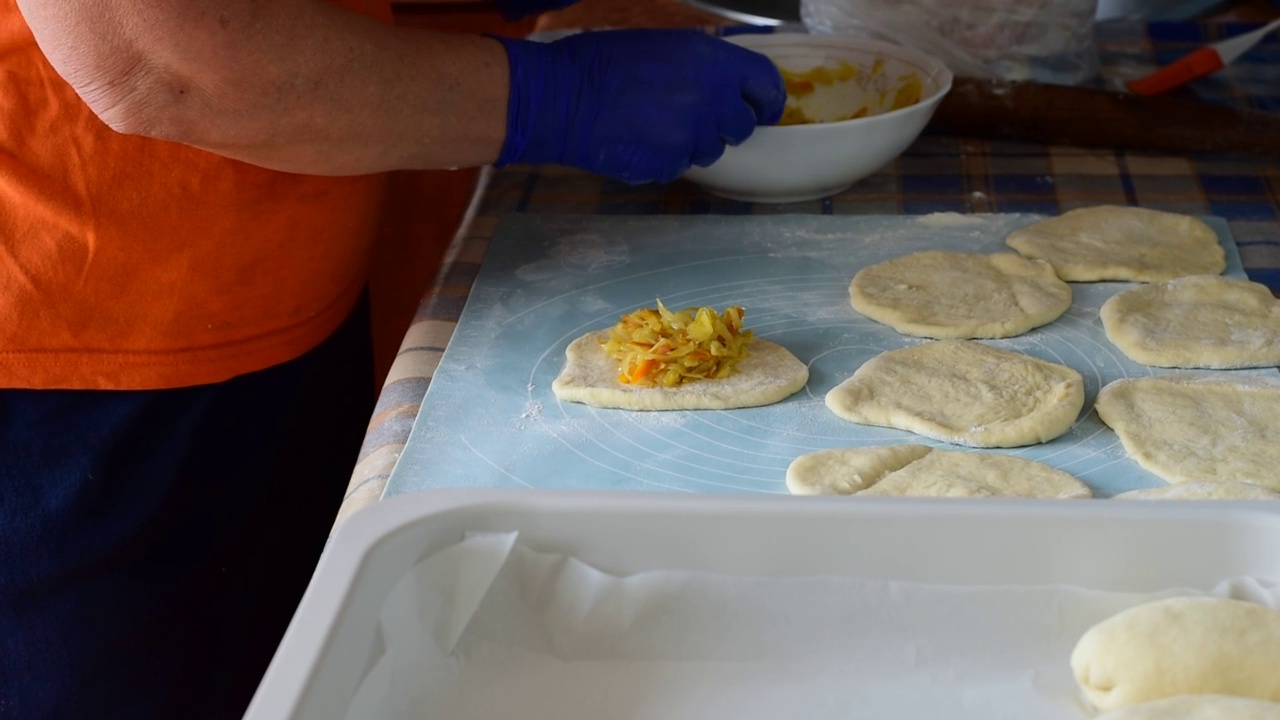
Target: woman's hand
635	105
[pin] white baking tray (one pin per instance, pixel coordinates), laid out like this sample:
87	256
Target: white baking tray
1103	545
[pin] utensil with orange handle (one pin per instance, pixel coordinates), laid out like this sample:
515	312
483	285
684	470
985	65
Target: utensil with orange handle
1205	61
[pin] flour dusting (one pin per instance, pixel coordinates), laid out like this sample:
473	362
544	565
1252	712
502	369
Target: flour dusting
951	219
491	418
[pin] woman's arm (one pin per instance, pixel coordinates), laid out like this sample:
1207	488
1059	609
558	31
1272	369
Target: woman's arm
294	85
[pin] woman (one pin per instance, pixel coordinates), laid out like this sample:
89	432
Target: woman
188	192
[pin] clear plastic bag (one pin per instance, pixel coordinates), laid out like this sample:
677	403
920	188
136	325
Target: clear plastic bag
1044	40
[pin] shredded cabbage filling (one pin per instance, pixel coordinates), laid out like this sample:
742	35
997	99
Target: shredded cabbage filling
661	348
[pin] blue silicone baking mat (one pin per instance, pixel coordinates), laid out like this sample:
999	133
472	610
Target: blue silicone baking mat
490	419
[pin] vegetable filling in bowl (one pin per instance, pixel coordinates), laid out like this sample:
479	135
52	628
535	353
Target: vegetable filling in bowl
880	94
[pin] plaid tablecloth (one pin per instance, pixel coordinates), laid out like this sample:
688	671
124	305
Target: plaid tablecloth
936	174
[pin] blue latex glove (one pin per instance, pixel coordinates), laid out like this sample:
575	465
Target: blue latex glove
516	9
635	105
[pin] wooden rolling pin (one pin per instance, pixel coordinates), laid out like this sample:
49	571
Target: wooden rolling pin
1060	115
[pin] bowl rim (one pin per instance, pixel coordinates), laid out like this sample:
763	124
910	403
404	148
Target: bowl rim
938	69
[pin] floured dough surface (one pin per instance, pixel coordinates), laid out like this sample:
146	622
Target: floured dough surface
1202	491
938	294
1199	321
1180	646
768	374
848	471
1198	707
1122	243
919	471
962	392
1187	428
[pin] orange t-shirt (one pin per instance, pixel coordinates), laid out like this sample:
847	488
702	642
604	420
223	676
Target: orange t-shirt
130	263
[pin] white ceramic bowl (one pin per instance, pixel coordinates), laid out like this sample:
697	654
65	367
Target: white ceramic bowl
792	163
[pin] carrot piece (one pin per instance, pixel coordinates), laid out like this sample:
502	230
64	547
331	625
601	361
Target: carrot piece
643	369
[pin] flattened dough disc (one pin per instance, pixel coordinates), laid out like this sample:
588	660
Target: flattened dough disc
1200	321
1202	491
938	294
1188	428
768	374
1122	243
962	392
920	471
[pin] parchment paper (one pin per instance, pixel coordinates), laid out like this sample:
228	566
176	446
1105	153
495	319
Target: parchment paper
489	628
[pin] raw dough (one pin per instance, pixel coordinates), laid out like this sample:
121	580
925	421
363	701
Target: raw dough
847	471
1200	321
920	471
1198	707
962	392
1180	646
1122	243
1202	491
939	294
768	374
1188	428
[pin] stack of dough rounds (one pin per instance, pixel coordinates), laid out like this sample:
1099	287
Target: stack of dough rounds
1200	321
939	294
768	374
1187	428
1198	707
1180	646
1228	490
1121	243
920	471
962	392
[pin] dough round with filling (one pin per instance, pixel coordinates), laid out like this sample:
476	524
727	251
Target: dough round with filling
1121	243
1199	321
962	392
1202	491
768	374
1189	428
919	471
1198	707
938	294
1180	646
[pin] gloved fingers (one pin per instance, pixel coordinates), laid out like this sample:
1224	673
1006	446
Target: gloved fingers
763	88
671	171
737	121
638	106
708	146
636	164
